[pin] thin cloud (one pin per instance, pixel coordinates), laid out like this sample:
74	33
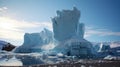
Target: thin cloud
10	34
100	32
12	29
3	10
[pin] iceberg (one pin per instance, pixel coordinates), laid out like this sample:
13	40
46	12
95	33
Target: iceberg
65	24
104	47
34	41
67	37
69	33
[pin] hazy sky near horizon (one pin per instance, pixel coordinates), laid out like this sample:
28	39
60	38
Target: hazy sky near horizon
101	18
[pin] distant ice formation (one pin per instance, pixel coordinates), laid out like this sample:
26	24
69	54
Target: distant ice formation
34	41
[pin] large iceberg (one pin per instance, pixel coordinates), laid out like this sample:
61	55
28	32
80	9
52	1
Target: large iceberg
34	41
67	36
69	33
65	24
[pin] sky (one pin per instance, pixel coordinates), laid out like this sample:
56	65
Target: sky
17	17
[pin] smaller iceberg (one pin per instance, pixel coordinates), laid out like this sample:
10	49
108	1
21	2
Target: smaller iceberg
33	42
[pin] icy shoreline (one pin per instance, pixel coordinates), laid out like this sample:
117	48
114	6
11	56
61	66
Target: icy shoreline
31	59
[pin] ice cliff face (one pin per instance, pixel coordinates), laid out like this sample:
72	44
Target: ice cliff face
70	34
102	47
80	30
34	41
66	24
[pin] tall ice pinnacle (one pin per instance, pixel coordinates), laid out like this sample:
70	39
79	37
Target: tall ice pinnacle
66	24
